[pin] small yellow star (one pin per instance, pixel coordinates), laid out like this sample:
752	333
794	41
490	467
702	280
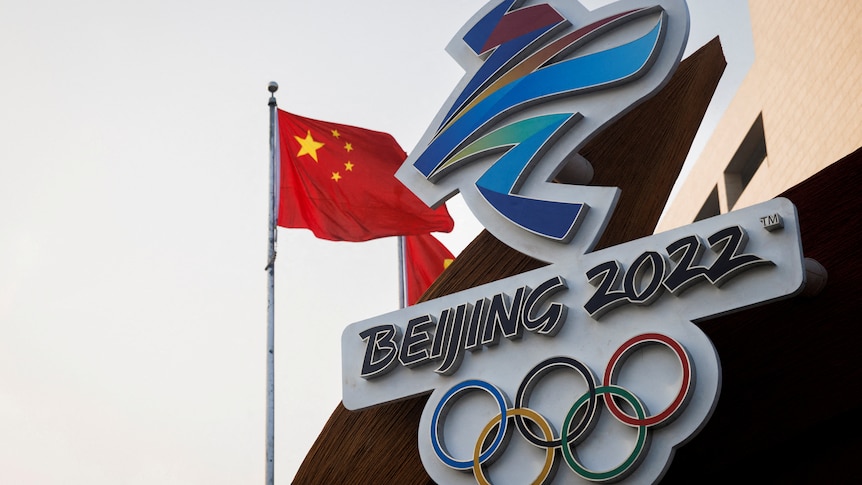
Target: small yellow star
348	166
308	146
336	176
447	262
348	147
336	134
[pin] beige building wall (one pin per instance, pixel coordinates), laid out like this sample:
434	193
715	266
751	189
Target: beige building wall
805	86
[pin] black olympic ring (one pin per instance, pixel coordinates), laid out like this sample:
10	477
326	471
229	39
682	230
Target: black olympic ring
526	389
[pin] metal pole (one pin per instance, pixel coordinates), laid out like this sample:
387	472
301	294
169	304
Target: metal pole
402	277
270	308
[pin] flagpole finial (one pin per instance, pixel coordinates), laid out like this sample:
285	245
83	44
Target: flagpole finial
272	87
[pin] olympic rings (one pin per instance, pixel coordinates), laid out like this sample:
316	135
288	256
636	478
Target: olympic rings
574	431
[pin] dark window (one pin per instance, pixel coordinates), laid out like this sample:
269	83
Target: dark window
710	207
745	162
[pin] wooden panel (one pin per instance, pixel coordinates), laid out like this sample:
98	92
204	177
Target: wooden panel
792	377
642	153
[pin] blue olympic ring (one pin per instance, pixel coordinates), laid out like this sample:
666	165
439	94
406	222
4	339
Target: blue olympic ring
443	407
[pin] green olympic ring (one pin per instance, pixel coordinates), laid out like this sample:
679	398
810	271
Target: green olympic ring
635	455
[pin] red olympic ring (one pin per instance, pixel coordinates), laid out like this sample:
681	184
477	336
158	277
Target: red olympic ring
678	403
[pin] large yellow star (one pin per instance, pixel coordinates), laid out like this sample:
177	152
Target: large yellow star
308	146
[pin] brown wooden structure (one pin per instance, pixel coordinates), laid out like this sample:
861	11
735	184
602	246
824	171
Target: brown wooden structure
790	373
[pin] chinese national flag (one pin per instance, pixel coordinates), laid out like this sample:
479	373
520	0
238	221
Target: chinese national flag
339	182
425	258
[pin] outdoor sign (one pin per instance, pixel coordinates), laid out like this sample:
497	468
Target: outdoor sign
589	369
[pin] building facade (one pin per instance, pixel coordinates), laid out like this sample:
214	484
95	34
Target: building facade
798	110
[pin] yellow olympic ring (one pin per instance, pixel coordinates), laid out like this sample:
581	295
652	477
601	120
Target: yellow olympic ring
531	415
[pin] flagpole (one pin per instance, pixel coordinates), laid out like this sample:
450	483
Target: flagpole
402	270
270	308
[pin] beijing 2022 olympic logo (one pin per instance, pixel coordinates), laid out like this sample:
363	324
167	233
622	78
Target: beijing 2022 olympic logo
589	369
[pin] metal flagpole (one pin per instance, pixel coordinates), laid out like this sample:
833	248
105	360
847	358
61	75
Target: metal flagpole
270	308
402	274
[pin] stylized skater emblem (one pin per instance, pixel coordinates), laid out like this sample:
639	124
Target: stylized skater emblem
541	80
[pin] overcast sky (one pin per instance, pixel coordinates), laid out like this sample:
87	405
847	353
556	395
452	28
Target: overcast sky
133	211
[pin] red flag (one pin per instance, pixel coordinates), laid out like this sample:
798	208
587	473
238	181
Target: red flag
339	182
425	258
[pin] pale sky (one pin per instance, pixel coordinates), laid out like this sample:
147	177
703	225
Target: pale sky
133	212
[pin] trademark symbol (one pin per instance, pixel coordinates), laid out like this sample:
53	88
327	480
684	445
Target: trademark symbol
772	222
